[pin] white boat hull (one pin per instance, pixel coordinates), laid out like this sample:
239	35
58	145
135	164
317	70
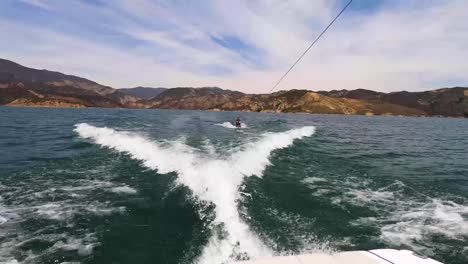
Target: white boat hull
378	256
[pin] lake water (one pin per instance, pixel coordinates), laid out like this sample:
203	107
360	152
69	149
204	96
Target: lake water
153	186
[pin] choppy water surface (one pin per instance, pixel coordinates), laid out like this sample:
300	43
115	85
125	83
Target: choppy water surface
123	186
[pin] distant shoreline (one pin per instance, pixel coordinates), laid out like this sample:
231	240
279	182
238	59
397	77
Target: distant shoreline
27	87
227	111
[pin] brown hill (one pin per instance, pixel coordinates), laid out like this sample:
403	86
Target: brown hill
440	102
293	101
11	72
20	85
205	98
38	94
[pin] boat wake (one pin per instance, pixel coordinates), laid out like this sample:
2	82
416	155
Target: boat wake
230	125
210	178
404	217
55	202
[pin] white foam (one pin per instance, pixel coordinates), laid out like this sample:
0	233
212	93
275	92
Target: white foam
14	261
296	230
85	185
124	189
321	191
404	218
6	215
59	200
64	210
11	246
230	125
78	244
407	227
312	180
410	221
211	179
3	220
54	211
369	196
98	209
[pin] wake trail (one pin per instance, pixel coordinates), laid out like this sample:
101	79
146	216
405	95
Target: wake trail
211	179
230	125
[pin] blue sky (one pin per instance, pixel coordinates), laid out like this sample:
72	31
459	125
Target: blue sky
243	45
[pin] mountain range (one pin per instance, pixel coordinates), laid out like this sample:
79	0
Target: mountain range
143	92
23	86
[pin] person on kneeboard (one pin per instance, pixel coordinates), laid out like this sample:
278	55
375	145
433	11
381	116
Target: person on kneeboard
238	122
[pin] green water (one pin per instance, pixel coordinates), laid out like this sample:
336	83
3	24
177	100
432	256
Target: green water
147	186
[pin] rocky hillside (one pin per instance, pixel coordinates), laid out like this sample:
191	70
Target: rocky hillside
22	86
13	73
39	94
205	98
293	101
440	102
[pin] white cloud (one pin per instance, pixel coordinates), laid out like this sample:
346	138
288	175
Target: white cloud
38	3
411	45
